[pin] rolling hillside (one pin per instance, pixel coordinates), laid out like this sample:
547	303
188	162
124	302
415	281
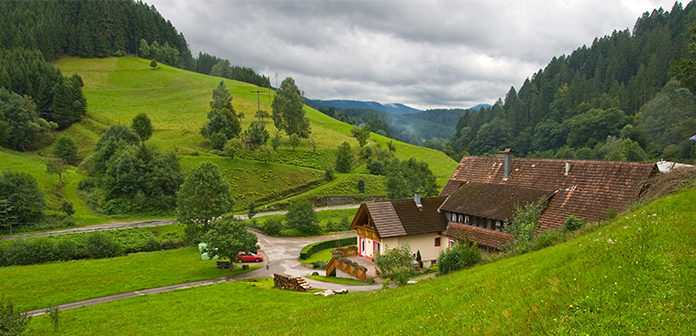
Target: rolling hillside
176	101
633	276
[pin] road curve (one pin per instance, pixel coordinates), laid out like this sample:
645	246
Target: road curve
280	256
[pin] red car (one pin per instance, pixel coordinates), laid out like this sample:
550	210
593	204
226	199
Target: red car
249	257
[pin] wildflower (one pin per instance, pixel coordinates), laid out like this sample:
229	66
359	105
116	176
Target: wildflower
571	306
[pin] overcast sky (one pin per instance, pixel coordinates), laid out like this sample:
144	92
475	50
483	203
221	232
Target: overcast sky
425	54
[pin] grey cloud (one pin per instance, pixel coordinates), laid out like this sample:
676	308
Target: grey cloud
420	53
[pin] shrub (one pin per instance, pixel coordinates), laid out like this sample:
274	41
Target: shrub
12	321
20	252
395	264
218	140
361	186
169	244
86	184
573	223
329	174
67	207
66	249
273	227
321	264
462	255
344	158
152	244
545	239
525	223
98	245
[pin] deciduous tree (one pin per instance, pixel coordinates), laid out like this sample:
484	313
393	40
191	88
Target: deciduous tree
142	126
227	237
301	216
344	158
288	112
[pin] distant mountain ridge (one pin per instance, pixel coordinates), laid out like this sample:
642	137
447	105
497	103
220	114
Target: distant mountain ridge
346	104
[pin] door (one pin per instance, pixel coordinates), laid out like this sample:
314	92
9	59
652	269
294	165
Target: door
375	248
362	246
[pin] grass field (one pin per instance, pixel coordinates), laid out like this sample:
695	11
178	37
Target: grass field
634	276
39	286
176	101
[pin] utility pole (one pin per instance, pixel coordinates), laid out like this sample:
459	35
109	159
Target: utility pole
276	75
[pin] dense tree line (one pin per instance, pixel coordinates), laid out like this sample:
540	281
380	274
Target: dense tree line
127	176
601	102
87	28
57	98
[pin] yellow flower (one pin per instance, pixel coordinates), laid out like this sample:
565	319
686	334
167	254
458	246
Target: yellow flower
587	297
571	306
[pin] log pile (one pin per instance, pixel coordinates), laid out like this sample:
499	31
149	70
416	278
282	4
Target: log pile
282	280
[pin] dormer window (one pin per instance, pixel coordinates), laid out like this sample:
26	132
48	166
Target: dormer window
466	219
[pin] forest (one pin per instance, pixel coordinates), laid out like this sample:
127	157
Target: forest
106	28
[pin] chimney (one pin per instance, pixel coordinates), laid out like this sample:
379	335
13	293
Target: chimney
567	166
417	199
507	155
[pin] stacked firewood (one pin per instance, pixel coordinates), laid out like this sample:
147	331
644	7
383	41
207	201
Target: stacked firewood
282	280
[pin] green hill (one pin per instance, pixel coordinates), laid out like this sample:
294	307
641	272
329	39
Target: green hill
176	101
633	276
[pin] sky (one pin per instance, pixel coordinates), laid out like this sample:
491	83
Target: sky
425	54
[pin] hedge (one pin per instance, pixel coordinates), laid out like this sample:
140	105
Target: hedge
99	244
310	249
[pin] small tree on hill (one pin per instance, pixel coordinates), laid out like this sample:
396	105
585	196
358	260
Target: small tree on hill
12	321
288	112
294	141
344	158
142	126
56	166
301	216
67	207
265	153
277	137
405	177
234	147
153	64
204	196
66	149
227	237
252	211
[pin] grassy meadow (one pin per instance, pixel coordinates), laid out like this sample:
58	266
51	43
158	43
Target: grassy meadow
633	276
176	101
40	286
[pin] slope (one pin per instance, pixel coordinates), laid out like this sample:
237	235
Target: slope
633	276
176	101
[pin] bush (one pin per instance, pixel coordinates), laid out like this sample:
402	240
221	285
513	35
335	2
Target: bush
66	249
545	239
273	227
98	245
321	264
169	244
329	174
67	207
395	264
361	186
573	223
152	244
462	255
86	184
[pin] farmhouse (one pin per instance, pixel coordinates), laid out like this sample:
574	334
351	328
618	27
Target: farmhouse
381	225
483	192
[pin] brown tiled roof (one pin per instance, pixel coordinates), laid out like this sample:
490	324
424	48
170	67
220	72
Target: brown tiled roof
589	190
398	218
494	201
479	235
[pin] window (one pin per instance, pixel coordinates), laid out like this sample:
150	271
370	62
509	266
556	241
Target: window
437	241
498	226
460	219
466	219
452	242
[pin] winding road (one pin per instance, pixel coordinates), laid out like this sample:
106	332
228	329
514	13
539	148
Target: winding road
280	256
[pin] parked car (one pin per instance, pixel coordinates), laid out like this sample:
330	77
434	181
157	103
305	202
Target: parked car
249	257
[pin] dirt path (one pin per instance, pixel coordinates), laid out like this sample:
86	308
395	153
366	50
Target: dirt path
154	222
280	256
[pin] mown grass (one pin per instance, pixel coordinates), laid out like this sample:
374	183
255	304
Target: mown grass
632	276
336	280
324	216
323	255
38	286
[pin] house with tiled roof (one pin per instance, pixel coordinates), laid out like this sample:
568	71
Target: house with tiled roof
389	224
483	192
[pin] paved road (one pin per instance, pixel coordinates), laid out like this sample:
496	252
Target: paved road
154	222
280	256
